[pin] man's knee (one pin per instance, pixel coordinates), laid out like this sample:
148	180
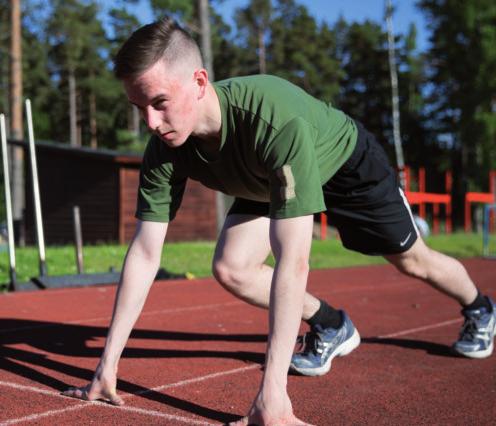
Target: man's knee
230	274
413	267
415	262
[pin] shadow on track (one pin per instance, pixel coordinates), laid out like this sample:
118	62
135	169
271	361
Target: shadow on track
72	340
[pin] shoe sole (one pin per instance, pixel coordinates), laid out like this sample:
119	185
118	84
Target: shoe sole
479	354
344	349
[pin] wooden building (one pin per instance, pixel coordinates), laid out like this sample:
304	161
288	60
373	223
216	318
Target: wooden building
104	185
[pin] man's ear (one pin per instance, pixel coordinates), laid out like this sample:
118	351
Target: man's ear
201	79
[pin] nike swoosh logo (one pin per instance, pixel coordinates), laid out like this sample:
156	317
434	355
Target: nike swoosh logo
402	243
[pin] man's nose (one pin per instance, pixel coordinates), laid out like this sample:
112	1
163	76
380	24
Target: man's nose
152	119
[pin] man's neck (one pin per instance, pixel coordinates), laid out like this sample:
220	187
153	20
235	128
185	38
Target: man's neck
211	123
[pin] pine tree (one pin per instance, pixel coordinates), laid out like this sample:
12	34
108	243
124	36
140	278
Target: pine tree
462	60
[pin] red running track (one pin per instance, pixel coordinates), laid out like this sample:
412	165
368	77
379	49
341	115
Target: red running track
196	352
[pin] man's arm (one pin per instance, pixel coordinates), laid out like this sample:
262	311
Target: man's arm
291	241
140	267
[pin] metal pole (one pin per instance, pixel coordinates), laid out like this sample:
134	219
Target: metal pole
78	238
400	162
36	191
8	205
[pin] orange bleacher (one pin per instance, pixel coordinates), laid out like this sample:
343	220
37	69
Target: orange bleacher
423	198
481	197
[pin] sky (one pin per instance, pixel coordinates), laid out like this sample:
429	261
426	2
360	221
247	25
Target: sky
327	10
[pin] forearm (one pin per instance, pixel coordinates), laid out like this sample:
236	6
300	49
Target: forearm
286	306
291	241
137	277
139	270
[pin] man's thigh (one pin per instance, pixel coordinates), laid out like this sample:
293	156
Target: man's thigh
244	240
366	204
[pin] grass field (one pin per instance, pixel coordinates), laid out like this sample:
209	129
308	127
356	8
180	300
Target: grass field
196	257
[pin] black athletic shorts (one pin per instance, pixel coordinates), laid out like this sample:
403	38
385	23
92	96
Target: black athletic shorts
364	202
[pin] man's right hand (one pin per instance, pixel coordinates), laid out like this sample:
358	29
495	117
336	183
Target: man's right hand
99	389
139	270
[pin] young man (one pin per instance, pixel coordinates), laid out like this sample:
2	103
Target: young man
284	155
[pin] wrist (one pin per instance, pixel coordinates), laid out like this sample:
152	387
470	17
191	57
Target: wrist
107	366
274	382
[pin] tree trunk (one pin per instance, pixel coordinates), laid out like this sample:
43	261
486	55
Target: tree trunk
206	42
206	46
73	109
133	120
93	126
16	72
398	147
16	124
262	61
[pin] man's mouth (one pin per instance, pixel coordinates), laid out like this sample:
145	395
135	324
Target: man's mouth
167	135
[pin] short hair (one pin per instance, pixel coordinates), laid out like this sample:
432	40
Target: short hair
163	39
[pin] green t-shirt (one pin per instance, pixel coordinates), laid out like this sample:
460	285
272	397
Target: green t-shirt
278	145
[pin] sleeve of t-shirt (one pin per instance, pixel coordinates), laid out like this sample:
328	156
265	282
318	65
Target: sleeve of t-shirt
294	177
160	190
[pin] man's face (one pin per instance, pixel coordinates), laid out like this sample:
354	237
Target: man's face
167	100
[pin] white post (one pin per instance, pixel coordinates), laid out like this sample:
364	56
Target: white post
36	191
8	204
78	237
400	162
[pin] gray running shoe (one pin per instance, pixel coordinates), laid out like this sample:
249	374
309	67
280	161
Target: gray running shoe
321	345
477	334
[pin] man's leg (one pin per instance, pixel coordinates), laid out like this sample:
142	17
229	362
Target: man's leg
238	263
239	267
442	272
449	276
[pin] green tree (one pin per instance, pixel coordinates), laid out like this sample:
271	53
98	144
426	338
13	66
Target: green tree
418	141
302	51
253	28
79	61
4	55
185	12
125	117
226	55
365	86
462	60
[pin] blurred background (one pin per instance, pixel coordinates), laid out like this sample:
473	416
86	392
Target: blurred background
59	54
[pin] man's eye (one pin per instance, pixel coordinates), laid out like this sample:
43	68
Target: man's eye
160	104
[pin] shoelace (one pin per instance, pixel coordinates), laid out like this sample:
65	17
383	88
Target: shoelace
311	341
469	328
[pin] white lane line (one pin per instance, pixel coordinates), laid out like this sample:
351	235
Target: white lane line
180	383
29	388
197	379
425	327
38	416
350	288
153	413
127	397
107	318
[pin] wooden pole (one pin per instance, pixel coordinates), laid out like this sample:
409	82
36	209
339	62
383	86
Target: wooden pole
16	123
